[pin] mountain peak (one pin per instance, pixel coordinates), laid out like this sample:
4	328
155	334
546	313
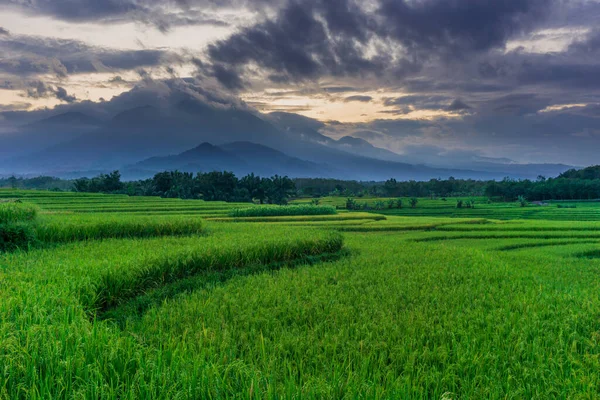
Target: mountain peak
353	141
205	146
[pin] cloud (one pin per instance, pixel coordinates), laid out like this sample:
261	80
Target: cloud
25	55
117	80
163	15
4	32
453	28
364	99
304	41
458	105
13	107
229	78
62	94
39	90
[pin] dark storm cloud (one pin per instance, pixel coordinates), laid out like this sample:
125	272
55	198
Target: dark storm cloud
160	94
4	32
162	14
61	94
364	99
306	40
454	27
38	90
458	105
228	78
316	38
29	55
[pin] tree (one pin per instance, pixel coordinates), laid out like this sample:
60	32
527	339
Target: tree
350	204
279	189
413	202
13	182
399	203
522	201
390	187
217	186
81	185
255	188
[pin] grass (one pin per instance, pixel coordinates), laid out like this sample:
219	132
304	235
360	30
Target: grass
16	236
276	211
17	212
304	218
425	303
58	229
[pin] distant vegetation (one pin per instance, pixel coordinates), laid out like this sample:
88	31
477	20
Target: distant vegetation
276	211
581	184
211	186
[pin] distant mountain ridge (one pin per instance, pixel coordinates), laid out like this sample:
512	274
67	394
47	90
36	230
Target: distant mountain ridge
146	138
242	158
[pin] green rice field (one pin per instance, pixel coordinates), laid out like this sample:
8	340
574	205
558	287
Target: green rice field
117	297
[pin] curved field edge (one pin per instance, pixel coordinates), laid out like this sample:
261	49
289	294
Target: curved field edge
415	321
73	228
49	295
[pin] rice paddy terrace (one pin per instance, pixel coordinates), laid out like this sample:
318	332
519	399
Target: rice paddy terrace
118	297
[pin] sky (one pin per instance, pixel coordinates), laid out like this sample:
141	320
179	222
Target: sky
514	79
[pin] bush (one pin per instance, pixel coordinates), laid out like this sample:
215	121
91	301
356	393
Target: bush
277	211
566	206
350	204
16	236
14	211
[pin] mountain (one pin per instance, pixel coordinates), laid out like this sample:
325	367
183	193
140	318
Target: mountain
72	119
362	147
147	131
44	133
241	158
162	131
204	157
299	127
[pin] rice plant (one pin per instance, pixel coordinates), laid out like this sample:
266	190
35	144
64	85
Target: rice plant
275	211
17	212
428	302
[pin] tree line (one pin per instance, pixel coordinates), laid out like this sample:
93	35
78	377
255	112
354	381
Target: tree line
583	184
210	186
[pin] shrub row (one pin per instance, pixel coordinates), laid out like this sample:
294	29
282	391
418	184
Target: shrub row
72	229
277	211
